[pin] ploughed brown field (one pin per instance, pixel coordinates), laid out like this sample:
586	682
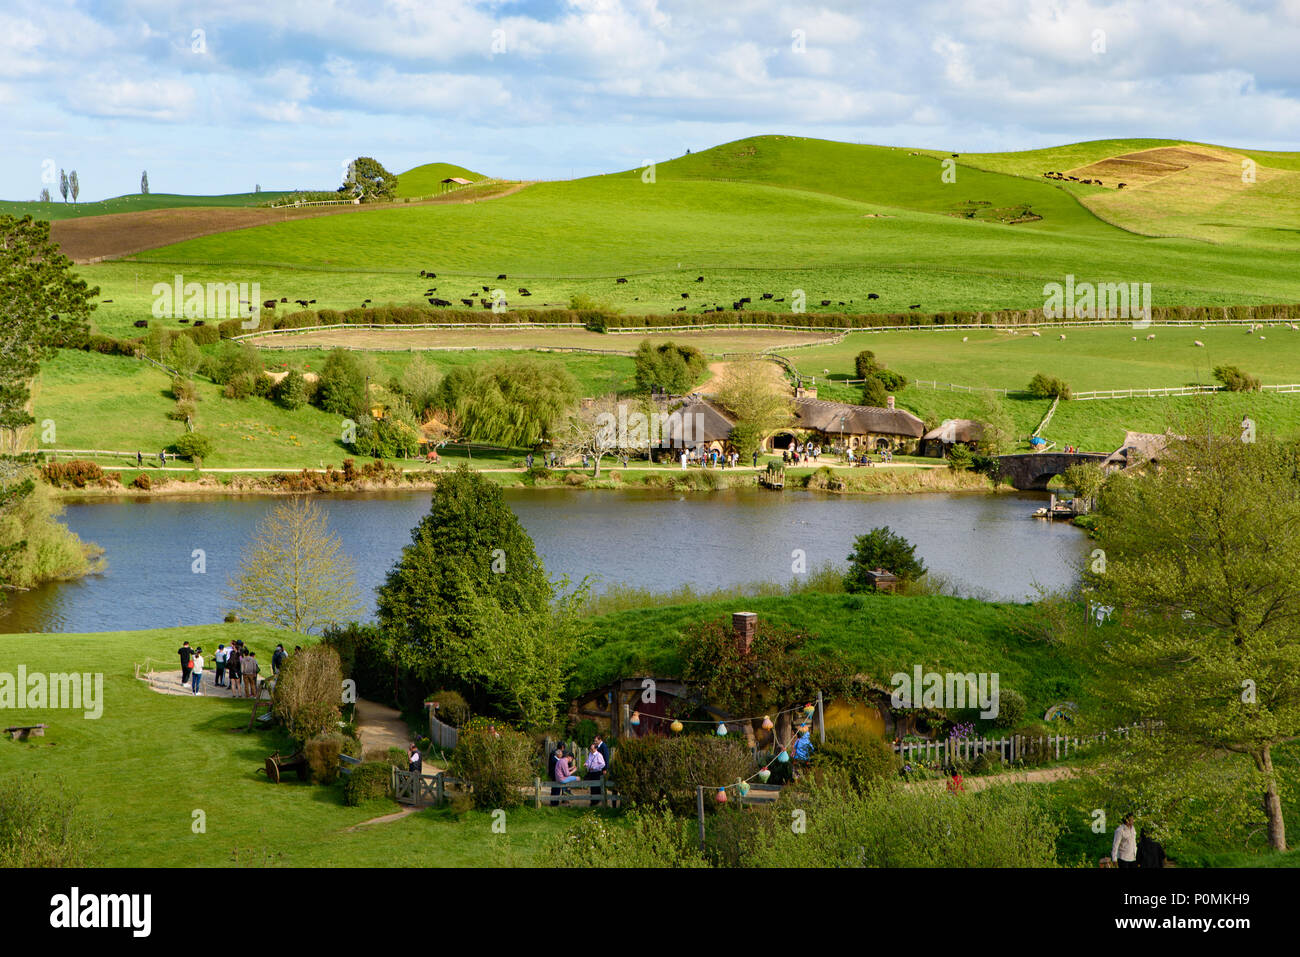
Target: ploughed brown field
94	238
1147	166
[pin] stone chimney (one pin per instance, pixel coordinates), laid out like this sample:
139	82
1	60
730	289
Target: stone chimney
889	401
745	626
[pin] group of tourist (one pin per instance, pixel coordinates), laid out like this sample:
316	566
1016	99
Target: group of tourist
711	458
595	763
237	667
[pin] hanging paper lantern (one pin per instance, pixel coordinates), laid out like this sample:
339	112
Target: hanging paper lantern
764	774
808	709
742	787
767	723
783	757
722	730
721	796
676	726
636	718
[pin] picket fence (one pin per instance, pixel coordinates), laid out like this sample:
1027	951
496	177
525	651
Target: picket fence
1009	749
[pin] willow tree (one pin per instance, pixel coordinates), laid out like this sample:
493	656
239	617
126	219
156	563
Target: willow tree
294	574
1198	559
515	403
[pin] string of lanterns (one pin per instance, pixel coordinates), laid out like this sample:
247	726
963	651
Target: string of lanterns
782	756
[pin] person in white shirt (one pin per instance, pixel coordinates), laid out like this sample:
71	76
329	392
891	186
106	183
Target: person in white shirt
220	659
1123	849
196	674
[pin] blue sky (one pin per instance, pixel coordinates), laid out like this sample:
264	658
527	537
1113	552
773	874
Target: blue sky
218	96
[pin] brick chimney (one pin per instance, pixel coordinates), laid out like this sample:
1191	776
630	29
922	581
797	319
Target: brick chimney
889	401
745	626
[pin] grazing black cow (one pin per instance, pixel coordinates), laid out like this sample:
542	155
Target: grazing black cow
502	276
524	292
284	298
781	299
737	305
767	295
826	302
686	295
106	300
954	155
620	279
301	302
141	323
468	302
182	320
746	299
311	302
441	302
423	274
917	306
1121	185
699	279
198	322
872	295
681	308
269	304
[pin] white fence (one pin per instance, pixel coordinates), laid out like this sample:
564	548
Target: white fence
1010	749
1173	390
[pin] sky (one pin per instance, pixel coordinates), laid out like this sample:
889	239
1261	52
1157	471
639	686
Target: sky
217	96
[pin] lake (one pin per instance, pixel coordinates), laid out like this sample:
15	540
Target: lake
652	539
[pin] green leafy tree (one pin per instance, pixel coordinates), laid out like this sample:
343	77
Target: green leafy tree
294	573
308	693
1087	480
1234	380
368	179
881	548
1199	559
63	184
865	364
184	356
757	399
667	365
999	435
291	391
874	393
343	384
469	603
1043	386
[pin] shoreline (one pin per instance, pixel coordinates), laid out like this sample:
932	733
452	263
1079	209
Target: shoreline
882	479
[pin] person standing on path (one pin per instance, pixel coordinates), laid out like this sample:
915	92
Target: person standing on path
1123	850
413	762
233	664
220	658
197	673
278	658
250	668
139	459
186	653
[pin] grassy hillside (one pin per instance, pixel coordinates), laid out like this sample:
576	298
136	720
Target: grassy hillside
771	214
877	635
131	204
151	760
427	180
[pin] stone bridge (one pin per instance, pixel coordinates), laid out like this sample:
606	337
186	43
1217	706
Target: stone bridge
1031	471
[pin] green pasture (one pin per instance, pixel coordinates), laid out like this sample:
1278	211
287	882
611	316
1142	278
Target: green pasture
427	180
767	214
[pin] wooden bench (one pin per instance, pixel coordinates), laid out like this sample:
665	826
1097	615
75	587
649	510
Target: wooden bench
23	732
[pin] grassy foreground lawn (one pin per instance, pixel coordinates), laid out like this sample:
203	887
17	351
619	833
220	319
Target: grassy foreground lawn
151	760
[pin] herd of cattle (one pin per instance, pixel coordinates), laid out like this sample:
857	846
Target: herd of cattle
1052	174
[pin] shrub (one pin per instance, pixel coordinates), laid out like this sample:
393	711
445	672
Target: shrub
1048	387
669	366
496	764
453	709
291	391
865	365
960	458
184	356
367	782
891	380
40	824
193	446
307	692
322	753
142	482
183	410
1012	708
241	386
341	388
77	473
231	361
1234	380
881	548
184	390
652	769
874	393
863	757
988	762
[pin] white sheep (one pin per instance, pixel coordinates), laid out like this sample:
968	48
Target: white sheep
1150	337
1063	335
1035	333
1132	338
1262	337
1199	344
964	338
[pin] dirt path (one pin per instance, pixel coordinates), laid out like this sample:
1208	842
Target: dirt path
381	727
169	682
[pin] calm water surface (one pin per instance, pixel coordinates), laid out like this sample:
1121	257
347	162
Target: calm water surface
657	540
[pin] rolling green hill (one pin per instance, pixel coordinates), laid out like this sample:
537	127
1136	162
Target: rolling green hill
427	180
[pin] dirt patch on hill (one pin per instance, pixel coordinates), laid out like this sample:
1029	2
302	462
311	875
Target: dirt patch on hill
95	238
1148	166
